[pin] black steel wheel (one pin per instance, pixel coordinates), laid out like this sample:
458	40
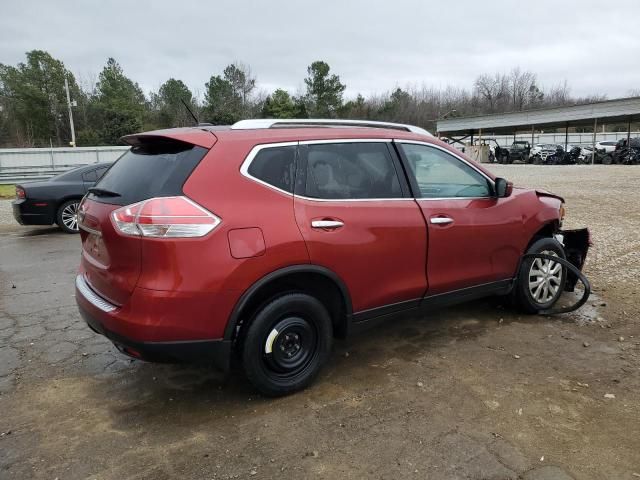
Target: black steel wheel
67	216
286	344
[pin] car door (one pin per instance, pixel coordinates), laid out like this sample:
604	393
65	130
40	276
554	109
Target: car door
357	217
474	237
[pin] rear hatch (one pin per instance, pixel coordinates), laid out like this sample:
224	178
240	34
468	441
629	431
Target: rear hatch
154	167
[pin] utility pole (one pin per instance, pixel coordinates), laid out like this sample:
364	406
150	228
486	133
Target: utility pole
69	105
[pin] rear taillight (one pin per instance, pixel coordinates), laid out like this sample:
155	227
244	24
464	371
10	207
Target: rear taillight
164	217
20	193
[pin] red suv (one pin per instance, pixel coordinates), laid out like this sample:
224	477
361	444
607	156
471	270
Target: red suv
267	239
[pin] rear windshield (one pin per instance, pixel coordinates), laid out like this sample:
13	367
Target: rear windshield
156	169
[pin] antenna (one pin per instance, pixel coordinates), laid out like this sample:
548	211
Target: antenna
195	119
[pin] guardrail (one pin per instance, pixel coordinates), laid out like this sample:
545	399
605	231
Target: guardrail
25	164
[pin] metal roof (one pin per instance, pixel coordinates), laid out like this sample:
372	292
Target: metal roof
609	111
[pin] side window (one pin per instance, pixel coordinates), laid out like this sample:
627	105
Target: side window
90	176
343	171
275	166
100	171
441	175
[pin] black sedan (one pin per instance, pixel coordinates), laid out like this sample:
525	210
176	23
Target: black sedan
56	200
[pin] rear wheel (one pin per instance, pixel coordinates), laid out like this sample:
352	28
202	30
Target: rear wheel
67	216
608	159
540	282
286	344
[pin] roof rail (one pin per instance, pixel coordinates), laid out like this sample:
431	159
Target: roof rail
260	123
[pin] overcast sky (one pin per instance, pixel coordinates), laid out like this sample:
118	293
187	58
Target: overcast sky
373	45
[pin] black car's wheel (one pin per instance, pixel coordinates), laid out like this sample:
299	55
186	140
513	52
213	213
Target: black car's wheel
67	216
540	282
607	160
286	344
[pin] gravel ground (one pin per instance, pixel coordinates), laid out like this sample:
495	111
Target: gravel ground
471	392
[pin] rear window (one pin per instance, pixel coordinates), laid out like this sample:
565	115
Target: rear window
157	169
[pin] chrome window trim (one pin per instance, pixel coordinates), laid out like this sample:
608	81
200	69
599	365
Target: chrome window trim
353	199
92	297
346	140
454	198
244	168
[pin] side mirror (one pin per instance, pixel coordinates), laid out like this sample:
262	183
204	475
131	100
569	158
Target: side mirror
503	188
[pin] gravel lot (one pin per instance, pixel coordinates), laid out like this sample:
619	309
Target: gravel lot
475	391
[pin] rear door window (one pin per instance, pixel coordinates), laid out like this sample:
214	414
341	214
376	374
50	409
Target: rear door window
349	171
156	169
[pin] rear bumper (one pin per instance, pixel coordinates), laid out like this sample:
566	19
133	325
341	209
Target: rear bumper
102	317
27	213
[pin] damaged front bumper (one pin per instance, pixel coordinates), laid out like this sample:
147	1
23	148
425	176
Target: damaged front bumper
576	245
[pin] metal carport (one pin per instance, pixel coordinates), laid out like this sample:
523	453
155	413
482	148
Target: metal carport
622	110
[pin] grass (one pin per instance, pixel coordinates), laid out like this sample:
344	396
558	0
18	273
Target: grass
7	191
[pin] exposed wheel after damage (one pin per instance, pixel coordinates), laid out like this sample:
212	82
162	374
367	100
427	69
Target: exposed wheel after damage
287	343
67	216
540	281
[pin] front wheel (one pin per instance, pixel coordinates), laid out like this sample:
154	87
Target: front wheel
540	282
67	216
287	343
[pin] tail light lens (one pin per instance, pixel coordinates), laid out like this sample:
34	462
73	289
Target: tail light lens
164	217
20	193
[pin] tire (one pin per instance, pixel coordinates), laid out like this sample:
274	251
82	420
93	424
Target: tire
67	218
607	160
287	344
532	298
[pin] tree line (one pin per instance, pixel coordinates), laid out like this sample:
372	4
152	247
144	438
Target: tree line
33	103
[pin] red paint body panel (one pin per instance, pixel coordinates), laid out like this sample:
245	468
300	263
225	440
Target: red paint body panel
246	242
483	244
379	253
110	261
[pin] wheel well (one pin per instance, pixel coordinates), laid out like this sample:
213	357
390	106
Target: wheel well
546	231
66	199
315	284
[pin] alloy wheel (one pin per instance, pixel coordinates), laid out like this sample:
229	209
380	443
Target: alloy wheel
70	216
545	278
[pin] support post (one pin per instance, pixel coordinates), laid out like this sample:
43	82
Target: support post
533	131
73	130
629	133
566	136
595	131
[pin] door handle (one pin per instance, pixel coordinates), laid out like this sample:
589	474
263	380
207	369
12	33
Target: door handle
327	224
441	220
